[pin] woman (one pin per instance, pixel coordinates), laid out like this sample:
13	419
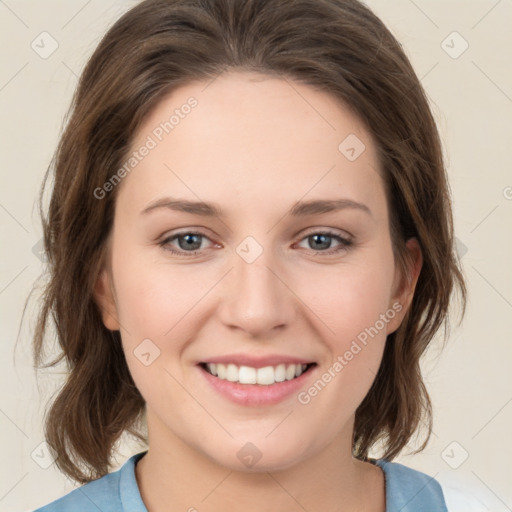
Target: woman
211	146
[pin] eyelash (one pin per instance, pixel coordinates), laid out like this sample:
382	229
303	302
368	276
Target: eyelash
344	243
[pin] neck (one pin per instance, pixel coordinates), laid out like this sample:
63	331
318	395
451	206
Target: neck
175	476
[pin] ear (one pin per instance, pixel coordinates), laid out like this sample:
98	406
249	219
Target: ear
104	297
404	285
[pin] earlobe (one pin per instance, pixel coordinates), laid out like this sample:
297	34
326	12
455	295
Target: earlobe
104	297
405	285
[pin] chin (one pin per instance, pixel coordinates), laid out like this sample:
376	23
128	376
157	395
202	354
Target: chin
259	455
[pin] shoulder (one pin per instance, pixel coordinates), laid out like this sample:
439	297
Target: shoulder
101	494
409	490
109	493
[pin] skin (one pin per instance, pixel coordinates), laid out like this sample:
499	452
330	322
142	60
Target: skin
255	145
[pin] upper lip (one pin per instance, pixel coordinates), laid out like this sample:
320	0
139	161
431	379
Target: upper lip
256	362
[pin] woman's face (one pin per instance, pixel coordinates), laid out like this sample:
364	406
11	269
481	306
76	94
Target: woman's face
265	278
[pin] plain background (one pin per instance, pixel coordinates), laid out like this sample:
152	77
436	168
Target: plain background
470	381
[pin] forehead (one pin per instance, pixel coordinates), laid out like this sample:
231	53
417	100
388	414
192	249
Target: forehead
247	135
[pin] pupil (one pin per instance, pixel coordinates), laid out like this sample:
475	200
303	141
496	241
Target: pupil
189	243
325	244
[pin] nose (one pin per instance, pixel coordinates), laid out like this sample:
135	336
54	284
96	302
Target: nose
256	298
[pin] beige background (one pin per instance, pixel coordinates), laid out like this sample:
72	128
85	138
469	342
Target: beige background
470	381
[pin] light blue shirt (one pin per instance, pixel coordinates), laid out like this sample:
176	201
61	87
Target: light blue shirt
407	490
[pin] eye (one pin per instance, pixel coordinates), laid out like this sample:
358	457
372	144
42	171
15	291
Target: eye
322	241
189	242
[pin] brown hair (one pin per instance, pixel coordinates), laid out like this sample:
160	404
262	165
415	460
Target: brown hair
338	46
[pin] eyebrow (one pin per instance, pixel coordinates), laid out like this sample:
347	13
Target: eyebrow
299	209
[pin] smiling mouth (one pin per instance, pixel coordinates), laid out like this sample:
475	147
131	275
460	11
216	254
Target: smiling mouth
265	376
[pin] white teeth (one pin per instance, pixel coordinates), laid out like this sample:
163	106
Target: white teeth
290	371
265	376
280	373
246	375
232	373
221	371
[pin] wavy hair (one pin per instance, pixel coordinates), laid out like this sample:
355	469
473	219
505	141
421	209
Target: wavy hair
337	46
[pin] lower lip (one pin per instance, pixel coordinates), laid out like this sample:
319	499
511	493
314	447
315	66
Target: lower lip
255	394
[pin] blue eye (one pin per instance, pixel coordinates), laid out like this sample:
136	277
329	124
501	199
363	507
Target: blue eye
324	238
189	242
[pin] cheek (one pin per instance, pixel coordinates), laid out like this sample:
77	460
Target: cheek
354	330
155	299
155	305
352	314
349	300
